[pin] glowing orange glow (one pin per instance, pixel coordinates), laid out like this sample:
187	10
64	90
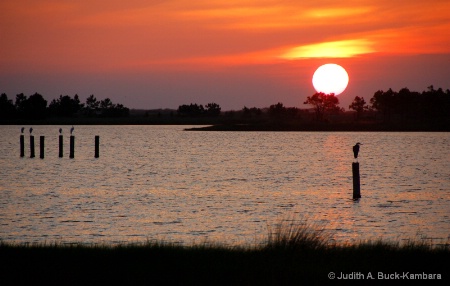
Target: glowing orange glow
337	12
337	49
88	33
412	40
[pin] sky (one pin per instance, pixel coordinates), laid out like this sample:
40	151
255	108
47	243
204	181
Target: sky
254	53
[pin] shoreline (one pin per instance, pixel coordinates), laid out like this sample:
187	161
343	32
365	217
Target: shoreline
285	260
206	124
319	128
294	252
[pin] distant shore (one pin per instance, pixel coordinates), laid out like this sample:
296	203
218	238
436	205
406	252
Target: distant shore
323	127
224	123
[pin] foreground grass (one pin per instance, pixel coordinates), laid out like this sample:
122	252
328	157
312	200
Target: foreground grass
294	254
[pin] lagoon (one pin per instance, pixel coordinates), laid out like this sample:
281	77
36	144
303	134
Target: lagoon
164	183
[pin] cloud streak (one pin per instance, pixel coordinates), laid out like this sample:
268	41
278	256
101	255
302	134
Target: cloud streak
336	49
89	34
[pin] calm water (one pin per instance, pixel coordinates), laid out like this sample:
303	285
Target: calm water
160	182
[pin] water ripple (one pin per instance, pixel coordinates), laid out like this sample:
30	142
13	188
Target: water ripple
159	182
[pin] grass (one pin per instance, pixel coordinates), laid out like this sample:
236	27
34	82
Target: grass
294	253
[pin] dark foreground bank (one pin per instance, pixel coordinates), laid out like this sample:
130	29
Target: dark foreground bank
215	265
297	256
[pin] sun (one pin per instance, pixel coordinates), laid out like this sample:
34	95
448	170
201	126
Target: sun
330	78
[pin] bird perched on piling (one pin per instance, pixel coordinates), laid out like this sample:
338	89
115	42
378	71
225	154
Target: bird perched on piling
31	130
356	150
71	130
60	130
21	130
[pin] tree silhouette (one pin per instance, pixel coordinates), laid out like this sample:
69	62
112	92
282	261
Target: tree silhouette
212	109
359	105
384	102
20	103
105	104
435	103
406	103
7	109
92	106
432	104
34	107
65	106
277	110
249	112
116	110
109	109
323	104
191	110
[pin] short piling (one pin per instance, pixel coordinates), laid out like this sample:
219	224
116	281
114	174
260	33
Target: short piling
60	146
97	143
42	147
72	147
22	146
356	181
31	146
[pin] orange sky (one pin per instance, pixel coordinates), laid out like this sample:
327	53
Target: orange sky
152	54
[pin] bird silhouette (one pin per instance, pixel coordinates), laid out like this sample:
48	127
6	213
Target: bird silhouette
22	129
31	130
60	130
71	130
356	150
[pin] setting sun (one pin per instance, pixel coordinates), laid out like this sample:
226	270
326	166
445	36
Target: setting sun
330	78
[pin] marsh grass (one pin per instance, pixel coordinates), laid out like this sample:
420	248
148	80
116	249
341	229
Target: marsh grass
295	252
297	234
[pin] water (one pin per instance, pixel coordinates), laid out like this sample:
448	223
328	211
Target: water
160	182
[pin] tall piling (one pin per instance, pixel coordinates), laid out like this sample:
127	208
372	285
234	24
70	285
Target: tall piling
72	147
31	146
356	181
22	146
42	147
97	143
60	146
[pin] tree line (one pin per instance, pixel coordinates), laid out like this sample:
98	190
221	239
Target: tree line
35	107
432	105
404	104
194	109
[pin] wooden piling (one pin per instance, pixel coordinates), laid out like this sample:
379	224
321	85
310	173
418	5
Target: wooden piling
356	181
97	143
31	146
22	146
72	147
60	146
41	145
